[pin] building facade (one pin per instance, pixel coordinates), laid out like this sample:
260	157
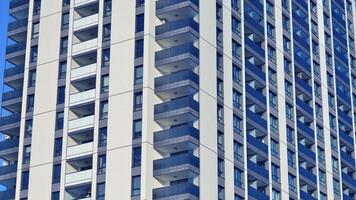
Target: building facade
179	99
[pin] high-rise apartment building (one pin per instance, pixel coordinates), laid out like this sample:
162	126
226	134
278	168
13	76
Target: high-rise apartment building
179	99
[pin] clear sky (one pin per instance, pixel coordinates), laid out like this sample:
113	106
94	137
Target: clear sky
4	5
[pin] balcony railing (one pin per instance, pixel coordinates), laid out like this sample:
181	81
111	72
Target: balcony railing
164	3
85	46
13	71
78	177
82	97
8	169
12	95
14	118
81	123
176	51
16	3
175	161
80	149
175	25
86	22
8	144
174	190
83	2
176	132
7	194
15	47
83	71
17	24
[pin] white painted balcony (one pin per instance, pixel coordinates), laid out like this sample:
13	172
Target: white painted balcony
78	177
80	150
84	71
85	46
81	123
83	2
82	97
86	22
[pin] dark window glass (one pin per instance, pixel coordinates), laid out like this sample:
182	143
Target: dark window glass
139	48
58	147
136	157
136	186
139	74
56	174
30	102
100	191
138	101
25	179
137	129
140	22
61	94
101	164
59	120
102	137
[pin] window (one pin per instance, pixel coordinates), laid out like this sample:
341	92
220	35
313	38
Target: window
139	74
273	100
220	140
286	23
107	8
221	193
62	69
336	186
271	31
140	22
105	83
106	58
64	45
136	157
28	128
104	110
271	53
24	180
220	114
30	103
58	147
322	178
100	191
32	78
138	101
219	37
236	25
36	7
106	32
220	87
238	177
270	9
137	129
236	48
140	3
235	4
221	166
274	148
102	137
290	135
219	62
35	30
65	20
101	164
276	195
56	174
237	99
275	172
289	111
292	182
33	55
139	48
27	154
61	94
237	124
55	196
290	156
219	12
236	73
136	186
238	152
59	120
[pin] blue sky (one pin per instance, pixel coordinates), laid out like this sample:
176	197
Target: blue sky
4	5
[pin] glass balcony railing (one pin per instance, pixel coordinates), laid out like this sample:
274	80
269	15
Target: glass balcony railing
81	123
86	22
175	107
13	71
79	150
78	177
176	77
305	151
308	175
257	143
11	95
160	4
257	169
174	190
85	46
16	3
306	130
175	161
252	192
17	24
7	194
177	51
176	25
83	71
6	120
176	132
16	47
82	97
8	169
8	144
306	196
304	106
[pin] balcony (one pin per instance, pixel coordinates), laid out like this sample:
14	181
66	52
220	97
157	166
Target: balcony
16	48
307	153
256	96
344	117
257	121
6	170
176	167
349	181
253	25
177	58
19	25
257	171
305	130
77	178
348	159
257	145
302	63
16	3
177	111
78	3
7	194
85	46
178	192
308	176
81	72
254	48
171	10
255	72
177	85
81	123
6	96
176	33
344	137
85	22
176	139
18	70
304	107
306	196
9	149
303	86
9	122
80	150
256	195
82	97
